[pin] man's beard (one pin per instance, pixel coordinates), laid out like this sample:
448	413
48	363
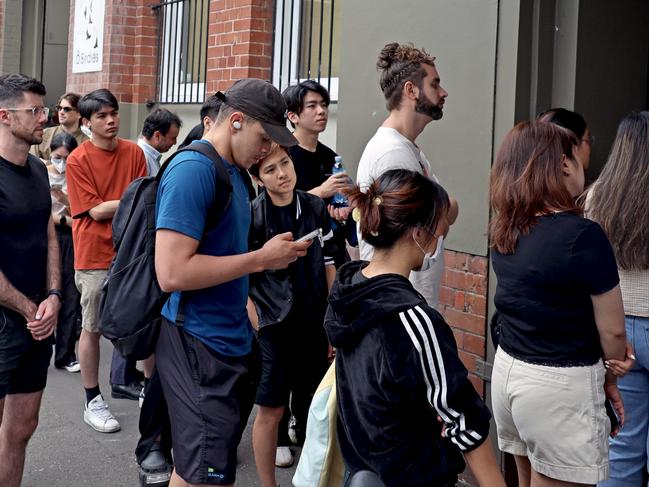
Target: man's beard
27	137
425	106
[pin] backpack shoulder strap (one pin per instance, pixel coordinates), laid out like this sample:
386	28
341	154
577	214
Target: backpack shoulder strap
223	196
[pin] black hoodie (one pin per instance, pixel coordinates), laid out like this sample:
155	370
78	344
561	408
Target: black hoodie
397	369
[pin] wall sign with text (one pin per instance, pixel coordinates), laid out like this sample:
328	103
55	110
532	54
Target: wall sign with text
88	42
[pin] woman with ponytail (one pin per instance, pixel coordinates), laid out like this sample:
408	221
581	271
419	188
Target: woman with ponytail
406	409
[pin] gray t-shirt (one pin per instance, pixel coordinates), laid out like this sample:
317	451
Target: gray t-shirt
388	150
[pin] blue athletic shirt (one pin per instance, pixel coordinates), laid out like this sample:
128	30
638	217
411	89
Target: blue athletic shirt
217	315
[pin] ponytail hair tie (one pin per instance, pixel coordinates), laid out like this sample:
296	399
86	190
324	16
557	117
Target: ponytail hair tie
377	201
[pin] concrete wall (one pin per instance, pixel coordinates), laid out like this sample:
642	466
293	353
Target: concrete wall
55	48
462	34
10	29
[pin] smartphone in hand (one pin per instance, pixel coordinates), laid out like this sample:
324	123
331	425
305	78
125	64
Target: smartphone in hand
311	235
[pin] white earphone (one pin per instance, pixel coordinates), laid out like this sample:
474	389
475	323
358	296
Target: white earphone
236	124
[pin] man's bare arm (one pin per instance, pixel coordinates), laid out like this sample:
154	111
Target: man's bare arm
180	268
53	258
104	211
47	314
13	299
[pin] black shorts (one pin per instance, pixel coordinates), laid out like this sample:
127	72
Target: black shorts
206	395
23	360
293	359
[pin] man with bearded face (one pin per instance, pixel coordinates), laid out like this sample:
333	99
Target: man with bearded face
30	277
414	96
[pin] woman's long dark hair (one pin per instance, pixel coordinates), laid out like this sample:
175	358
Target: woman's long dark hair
619	199
397	201
527	180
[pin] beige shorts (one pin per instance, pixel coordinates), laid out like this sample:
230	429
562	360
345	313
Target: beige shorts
89	284
555	416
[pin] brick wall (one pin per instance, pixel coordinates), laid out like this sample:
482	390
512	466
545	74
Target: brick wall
240	41
463	302
129	57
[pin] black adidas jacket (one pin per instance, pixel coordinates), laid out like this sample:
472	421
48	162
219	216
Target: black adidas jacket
397	369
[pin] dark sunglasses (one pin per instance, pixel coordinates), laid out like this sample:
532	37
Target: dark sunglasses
59	108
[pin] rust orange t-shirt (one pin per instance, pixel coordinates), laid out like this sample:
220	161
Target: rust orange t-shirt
94	176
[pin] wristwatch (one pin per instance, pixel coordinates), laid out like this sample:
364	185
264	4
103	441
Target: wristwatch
63	220
56	292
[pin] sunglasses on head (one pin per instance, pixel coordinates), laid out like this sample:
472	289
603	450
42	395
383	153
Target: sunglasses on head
59	108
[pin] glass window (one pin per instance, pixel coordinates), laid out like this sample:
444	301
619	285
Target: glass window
182	50
307	34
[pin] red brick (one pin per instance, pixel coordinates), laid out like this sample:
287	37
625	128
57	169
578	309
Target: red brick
242	24
446	295
459	337
478	265
476	304
469	360
478	384
465	321
459	301
474	344
456	279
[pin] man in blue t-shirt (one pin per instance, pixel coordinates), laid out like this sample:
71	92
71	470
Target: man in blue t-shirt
203	352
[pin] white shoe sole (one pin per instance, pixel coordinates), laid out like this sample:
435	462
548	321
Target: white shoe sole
101	429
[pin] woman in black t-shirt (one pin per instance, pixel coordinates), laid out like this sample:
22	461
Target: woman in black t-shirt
561	312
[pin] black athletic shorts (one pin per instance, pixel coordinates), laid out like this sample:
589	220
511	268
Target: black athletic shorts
206	395
23	360
293	359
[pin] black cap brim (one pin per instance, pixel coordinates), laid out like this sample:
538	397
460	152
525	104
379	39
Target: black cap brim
280	135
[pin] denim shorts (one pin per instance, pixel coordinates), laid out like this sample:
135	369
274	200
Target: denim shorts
555	416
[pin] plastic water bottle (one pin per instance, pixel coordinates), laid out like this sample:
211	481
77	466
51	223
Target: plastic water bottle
339	199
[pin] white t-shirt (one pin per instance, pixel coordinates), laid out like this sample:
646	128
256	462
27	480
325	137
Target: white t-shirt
388	150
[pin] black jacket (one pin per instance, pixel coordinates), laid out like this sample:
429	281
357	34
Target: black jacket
397	369
271	291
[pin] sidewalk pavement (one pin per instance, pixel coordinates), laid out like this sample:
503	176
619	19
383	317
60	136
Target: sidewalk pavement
65	452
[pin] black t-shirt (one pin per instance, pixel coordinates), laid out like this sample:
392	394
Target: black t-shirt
544	291
25	207
312	168
283	220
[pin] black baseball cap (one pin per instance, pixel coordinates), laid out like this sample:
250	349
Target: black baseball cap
260	100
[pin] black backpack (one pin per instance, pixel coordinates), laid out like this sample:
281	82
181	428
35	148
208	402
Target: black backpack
131	299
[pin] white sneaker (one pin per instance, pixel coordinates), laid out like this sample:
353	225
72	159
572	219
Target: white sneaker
283	457
73	366
97	415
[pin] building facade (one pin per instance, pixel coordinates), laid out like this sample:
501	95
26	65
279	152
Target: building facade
501	61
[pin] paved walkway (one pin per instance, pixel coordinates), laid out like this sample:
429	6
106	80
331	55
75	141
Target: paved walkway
65	452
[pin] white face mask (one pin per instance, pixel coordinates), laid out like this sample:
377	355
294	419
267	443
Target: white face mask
86	131
429	259
59	164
